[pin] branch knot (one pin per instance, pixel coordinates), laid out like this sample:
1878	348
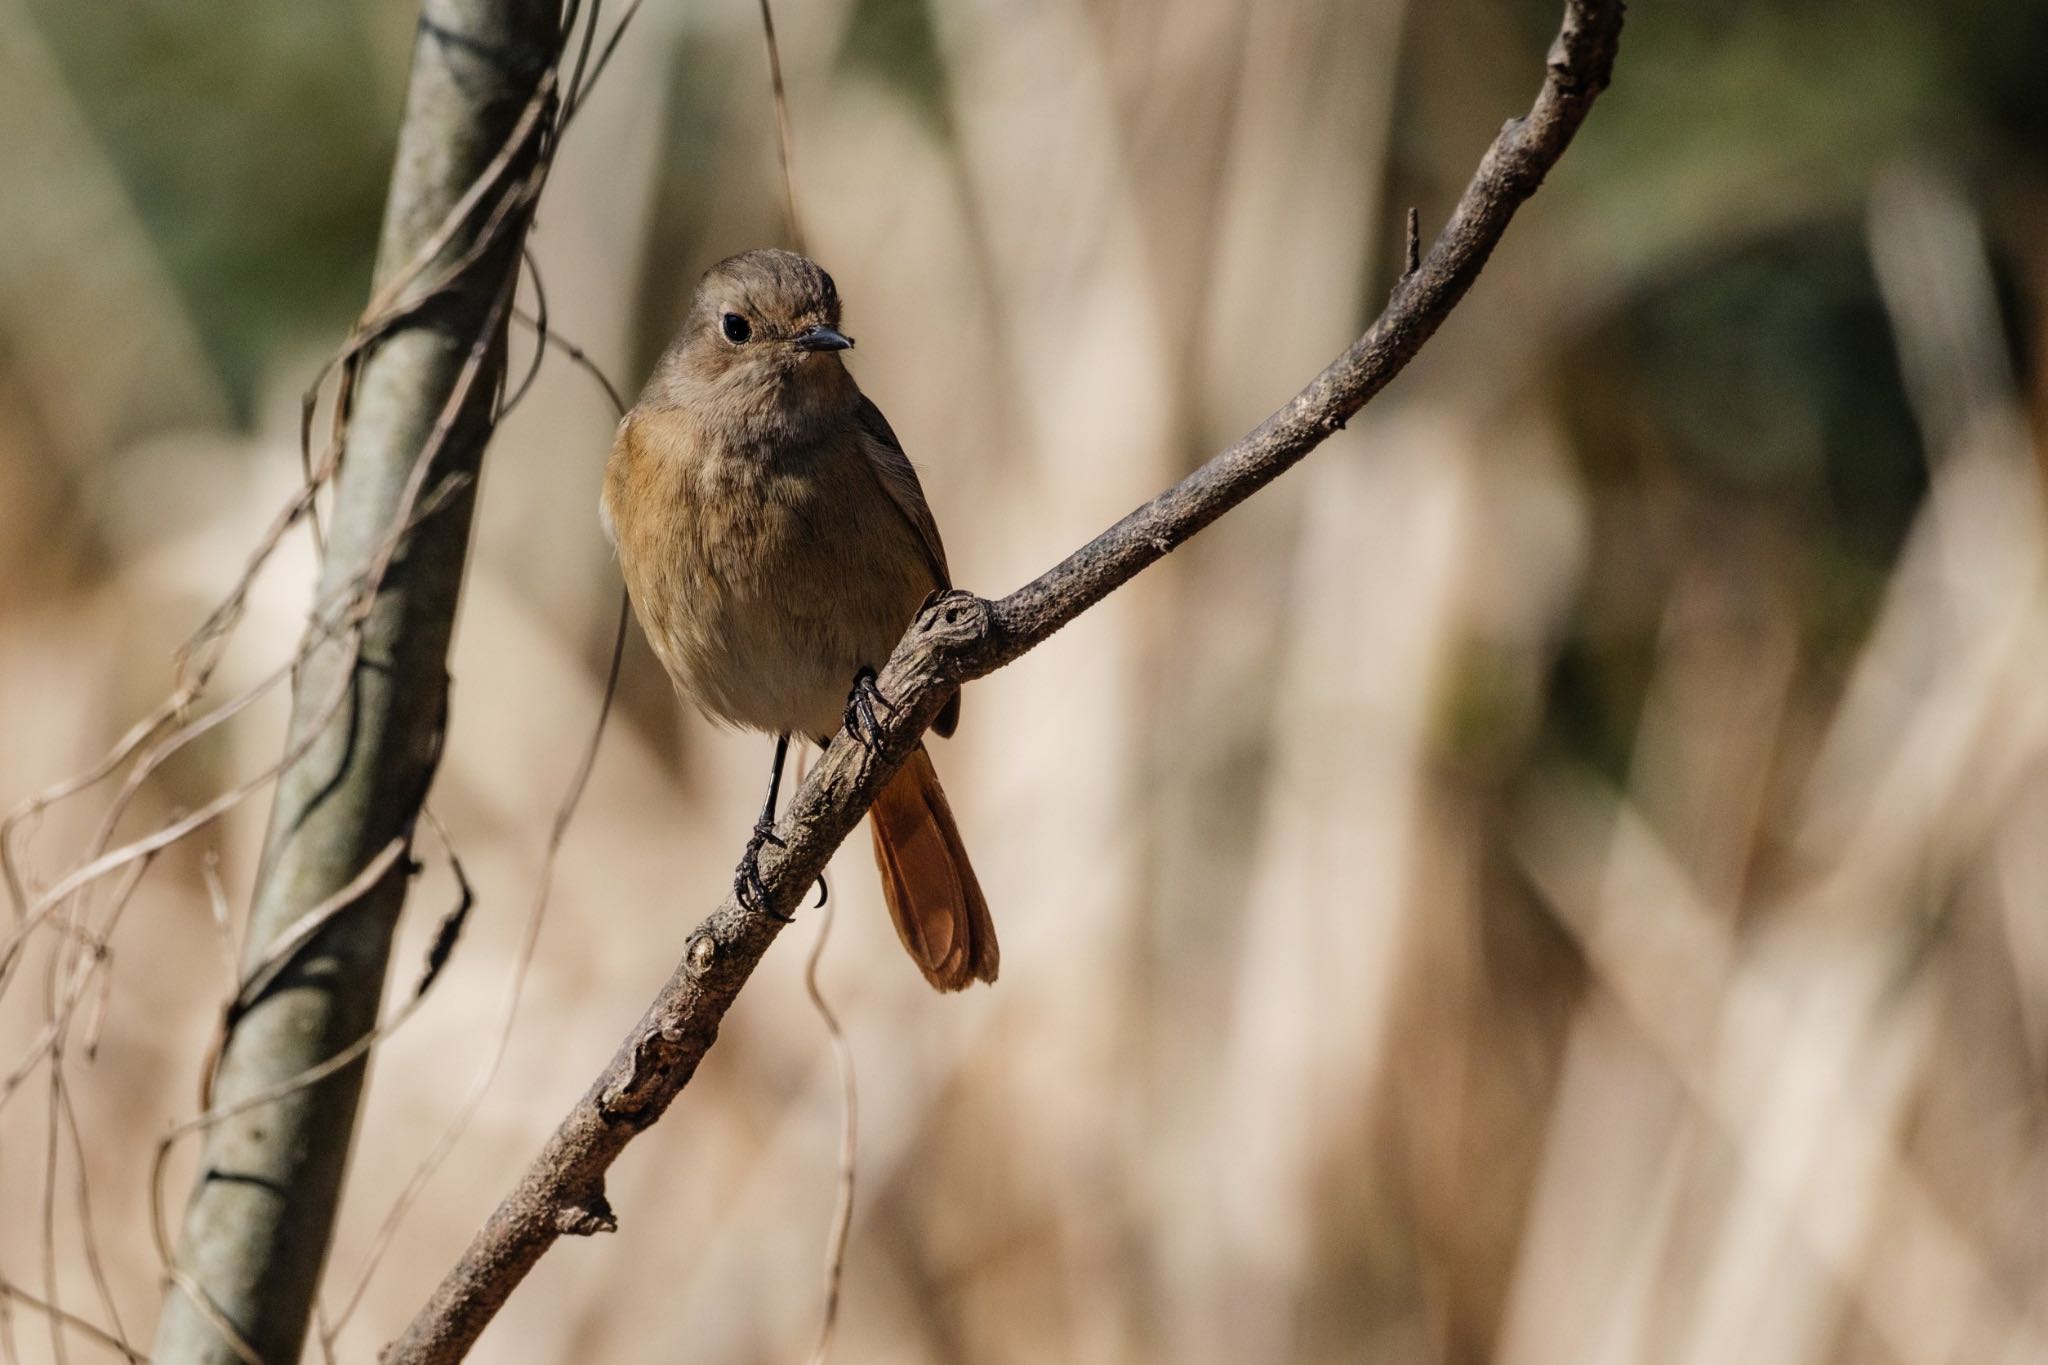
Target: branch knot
955	616
586	1216
703	952
948	628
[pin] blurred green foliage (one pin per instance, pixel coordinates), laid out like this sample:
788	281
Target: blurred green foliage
1742	382
895	44
253	139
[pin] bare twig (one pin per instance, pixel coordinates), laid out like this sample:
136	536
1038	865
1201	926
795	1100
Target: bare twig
300	932
580	91
217	906
955	639
781	100
82	1326
10	1349
88	1229
59	1349
849	1137
577	356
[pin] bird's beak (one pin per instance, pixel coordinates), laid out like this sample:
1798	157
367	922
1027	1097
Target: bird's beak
823	338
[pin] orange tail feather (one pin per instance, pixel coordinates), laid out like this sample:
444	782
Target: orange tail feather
933	897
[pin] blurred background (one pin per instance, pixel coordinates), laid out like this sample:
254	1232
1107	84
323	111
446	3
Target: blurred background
1561	877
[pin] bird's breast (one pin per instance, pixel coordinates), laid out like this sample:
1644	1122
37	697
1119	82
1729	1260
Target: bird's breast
764	579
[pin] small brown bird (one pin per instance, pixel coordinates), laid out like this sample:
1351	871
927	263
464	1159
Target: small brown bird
776	544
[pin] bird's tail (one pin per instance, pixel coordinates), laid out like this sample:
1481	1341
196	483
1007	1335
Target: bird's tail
928	882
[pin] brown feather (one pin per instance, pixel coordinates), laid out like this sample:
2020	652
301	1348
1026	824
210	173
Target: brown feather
934	899
898	478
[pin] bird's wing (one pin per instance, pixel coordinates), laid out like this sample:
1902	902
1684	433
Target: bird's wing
899	480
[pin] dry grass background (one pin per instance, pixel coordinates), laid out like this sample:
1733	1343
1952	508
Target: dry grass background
1559	878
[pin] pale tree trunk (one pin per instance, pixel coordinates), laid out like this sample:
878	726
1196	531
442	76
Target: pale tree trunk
257	1228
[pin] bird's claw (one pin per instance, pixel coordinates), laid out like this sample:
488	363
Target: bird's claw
860	718
747	886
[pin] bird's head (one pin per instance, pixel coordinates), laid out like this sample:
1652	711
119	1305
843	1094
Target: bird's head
761	342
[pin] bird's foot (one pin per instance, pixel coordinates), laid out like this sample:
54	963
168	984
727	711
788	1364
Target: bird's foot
747	886
860	718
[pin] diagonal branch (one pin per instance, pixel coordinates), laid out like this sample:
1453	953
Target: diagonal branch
955	639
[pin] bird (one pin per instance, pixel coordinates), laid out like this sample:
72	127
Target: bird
776	543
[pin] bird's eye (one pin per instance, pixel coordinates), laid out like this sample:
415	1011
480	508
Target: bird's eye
736	328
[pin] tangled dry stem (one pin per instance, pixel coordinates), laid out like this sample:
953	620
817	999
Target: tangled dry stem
84	904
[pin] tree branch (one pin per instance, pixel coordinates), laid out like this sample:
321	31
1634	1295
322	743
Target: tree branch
955	639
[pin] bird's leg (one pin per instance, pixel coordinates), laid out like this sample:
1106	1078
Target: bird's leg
860	719
747	886
746	882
